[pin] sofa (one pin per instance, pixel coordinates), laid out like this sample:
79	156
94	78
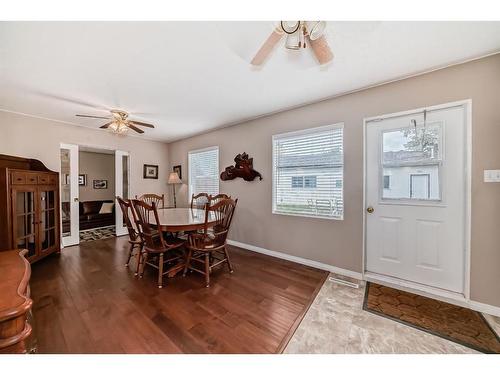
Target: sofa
89	215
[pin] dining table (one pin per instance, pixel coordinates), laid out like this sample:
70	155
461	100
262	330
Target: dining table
177	220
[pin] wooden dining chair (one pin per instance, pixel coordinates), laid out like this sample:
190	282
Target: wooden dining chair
159	200
199	200
158	253
135	238
217	198
208	249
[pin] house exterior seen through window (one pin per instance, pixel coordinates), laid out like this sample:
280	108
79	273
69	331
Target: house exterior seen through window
411	161
308	172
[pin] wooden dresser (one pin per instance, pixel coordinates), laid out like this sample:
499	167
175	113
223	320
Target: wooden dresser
15	303
29	207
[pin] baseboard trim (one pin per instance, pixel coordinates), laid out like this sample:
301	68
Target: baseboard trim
295	259
477	306
485	308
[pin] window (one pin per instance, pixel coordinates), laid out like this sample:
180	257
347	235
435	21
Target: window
310	181
300	182
297	182
204	171
387	182
411	161
308	171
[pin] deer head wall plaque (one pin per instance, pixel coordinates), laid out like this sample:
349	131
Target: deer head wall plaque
243	168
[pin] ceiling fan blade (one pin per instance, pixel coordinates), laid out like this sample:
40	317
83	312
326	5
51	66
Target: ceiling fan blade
105	126
140	131
141	124
321	50
89	116
267	47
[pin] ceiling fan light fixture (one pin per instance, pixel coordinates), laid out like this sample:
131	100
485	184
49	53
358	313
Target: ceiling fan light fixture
293	41
119	122
118	127
316	29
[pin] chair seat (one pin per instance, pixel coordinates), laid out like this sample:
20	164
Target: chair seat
174	243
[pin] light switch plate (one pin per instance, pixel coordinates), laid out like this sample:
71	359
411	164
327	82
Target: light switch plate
492	175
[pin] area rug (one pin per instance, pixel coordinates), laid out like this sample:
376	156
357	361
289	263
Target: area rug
455	323
97	233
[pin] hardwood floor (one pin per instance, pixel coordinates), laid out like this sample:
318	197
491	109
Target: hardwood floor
86	301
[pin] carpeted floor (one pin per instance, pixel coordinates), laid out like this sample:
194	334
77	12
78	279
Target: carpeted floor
97	233
455	323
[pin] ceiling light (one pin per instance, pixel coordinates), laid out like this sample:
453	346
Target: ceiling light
316	29
299	34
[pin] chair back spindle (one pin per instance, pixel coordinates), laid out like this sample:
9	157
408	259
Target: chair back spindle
217	198
199	200
222	216
147	217
127	210
159	200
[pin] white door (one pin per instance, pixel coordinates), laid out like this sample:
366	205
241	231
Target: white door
415	197
69	195
121	187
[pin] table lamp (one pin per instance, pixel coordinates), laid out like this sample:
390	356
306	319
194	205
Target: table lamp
173	179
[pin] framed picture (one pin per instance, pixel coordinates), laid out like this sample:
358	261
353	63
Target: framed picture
150	171
100	184
82	180
178	169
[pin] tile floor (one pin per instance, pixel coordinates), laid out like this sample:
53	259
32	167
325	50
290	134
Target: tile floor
336	323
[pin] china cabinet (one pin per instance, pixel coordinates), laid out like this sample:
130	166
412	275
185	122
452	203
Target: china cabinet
29	207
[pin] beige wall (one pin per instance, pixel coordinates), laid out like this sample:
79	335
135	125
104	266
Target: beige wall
339	243
40	139
97	166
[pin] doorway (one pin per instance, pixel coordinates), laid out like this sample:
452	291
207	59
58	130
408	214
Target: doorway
417	197
91	178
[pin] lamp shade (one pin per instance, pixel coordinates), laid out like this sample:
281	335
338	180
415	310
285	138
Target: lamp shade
173	178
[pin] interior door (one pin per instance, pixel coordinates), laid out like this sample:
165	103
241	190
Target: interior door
70	225
415	197
122	176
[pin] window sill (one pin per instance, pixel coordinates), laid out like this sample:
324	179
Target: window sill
340	218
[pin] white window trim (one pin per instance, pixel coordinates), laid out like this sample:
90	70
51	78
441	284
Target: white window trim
338	125
197	151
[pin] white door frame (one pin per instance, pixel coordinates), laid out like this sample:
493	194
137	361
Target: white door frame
74	238
120	230
115	151
427	290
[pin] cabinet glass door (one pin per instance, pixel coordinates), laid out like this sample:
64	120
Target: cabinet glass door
25	220
48	230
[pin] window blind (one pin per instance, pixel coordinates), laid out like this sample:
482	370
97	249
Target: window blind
308	172
204	171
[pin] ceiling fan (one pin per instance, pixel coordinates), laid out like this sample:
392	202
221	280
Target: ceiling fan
299	35
119	122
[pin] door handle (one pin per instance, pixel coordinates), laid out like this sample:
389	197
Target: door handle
370	209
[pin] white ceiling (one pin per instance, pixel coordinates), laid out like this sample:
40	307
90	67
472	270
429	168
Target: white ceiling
189	77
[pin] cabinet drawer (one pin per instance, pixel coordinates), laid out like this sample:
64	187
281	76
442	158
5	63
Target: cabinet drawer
52	179
31	178
18	178
43	179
